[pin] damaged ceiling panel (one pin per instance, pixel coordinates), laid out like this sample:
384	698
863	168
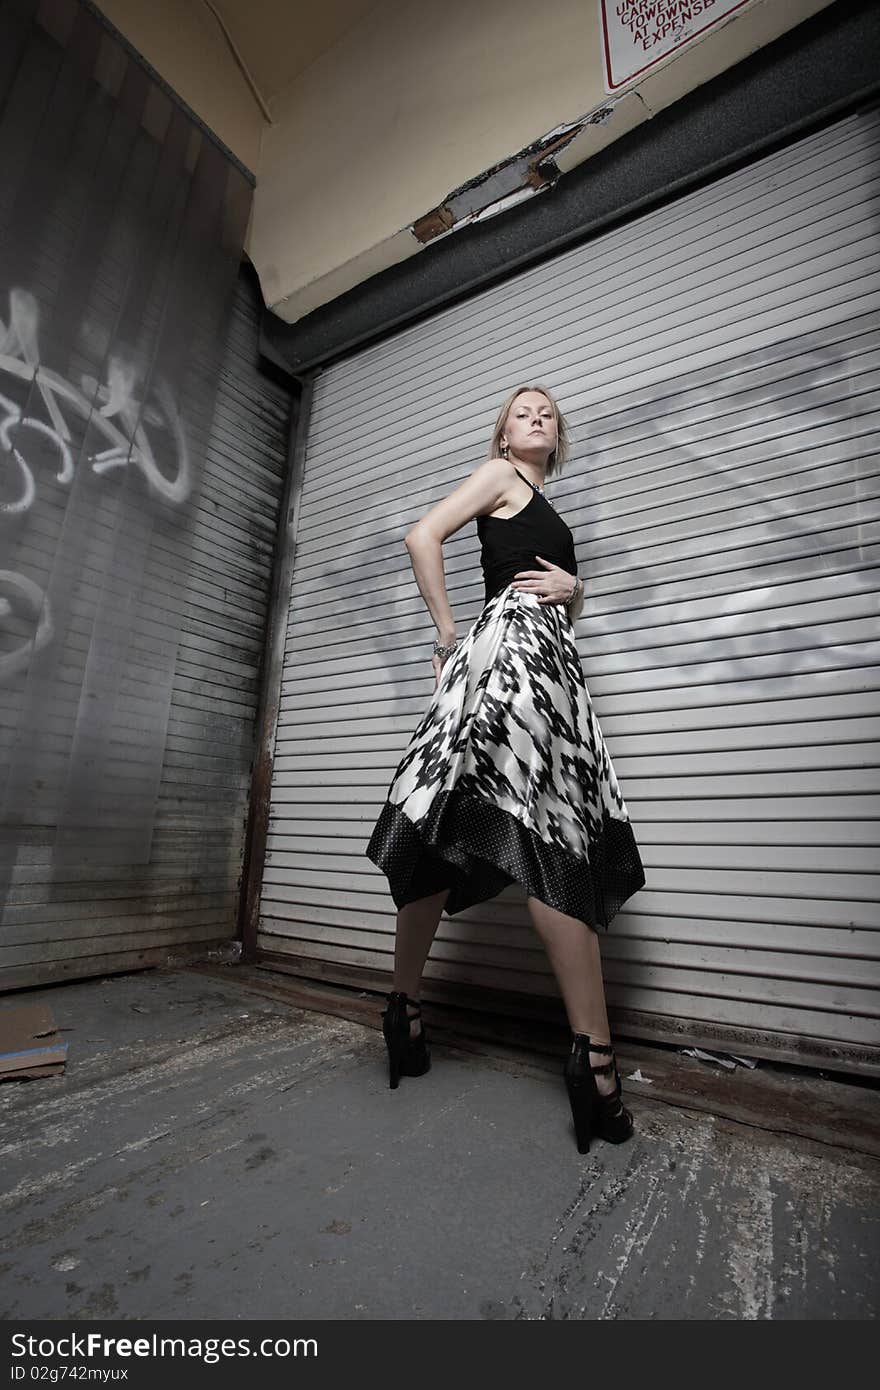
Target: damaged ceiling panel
529	171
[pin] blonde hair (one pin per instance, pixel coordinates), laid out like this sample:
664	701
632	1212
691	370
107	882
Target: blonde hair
563	443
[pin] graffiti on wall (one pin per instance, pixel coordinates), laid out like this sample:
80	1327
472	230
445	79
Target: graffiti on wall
134	423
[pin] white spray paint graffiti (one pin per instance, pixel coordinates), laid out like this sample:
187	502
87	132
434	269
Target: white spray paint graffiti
32	602
113	409
19	357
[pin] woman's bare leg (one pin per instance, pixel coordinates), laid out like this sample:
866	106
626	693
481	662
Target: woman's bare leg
416	928
573	950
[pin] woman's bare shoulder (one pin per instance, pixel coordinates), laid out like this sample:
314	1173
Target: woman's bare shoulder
496	468
483	490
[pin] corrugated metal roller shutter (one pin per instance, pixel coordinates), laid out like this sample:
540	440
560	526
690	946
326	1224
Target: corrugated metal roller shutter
87	920
718	360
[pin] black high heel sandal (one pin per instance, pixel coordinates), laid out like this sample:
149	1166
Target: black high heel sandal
407	1055
593	1113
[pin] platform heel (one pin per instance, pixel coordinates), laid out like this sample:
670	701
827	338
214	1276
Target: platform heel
594	1115
407	1056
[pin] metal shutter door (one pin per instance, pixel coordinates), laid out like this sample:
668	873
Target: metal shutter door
718	361
87	921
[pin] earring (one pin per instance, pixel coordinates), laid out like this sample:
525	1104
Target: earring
504	448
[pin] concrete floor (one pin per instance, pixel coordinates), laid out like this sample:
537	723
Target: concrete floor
210	1153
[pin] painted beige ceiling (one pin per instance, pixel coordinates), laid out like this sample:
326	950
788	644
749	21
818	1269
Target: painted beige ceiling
279	39
375	126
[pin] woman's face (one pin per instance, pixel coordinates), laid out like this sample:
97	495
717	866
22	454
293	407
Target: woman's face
530	430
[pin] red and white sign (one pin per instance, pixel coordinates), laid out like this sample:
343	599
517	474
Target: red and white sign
636	34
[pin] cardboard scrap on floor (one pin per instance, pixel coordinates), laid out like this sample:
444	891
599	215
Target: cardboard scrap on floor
29	1043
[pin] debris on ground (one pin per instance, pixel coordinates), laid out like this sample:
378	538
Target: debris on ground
30	1044
727	1060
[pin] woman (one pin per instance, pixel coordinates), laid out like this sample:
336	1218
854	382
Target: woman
507	778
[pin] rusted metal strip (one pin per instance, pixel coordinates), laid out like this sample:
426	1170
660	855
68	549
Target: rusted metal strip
273	667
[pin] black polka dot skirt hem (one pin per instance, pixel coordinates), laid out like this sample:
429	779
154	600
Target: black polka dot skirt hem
507	778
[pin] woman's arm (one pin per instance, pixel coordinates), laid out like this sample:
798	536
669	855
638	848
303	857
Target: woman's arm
483	491
426	558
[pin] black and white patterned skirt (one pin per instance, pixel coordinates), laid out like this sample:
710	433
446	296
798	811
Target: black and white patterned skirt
507	777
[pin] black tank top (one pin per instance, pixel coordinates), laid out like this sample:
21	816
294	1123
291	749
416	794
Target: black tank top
513	543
